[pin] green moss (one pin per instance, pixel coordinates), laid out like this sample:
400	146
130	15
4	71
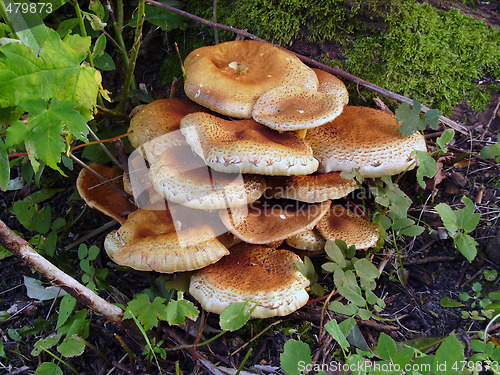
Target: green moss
410	48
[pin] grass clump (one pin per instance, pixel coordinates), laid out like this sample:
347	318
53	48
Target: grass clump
414	49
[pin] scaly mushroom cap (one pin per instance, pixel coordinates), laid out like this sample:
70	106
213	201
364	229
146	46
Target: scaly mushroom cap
246	146
309	240
296	108
265	221
310	188
156	119
182	177
342	224
229	77
264	275
148	242
99	195
366	139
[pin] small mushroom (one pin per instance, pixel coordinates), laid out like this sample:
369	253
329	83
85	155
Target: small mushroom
309	240
149	241
298	108
181	176
364	139
270	220
310	188
102	197
246	146
340	223
228	78
154	120
266	276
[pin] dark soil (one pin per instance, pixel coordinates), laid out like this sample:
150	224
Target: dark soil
434	269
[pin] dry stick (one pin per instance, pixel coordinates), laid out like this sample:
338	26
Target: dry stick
216	34
104	148
445	120
22	249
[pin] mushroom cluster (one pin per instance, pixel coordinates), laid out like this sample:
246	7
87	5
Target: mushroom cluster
248	171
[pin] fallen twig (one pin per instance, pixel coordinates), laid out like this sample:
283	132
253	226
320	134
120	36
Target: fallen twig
22	249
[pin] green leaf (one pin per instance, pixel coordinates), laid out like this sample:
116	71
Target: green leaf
36	290
53	72
450	302
445	138
349	310
333	329
66	307
366	270
364	314
448	217
45	343
71	347
295	358
494	295
427	166
4	167
352	296
409	118
104	62
77	324
466	245
432	118
48	368
93	252
235	316
178	310
491	152
412	231
50	243
450	351
386	347
403	357
148	313
335	253
466	218
99	46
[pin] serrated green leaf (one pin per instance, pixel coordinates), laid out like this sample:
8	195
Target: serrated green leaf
466	218
236	315
52	72
432	118
180	309
386	347
427	167
333	329
366	270
450	302
466	245
148	313
66	307
45	343
48	368
71	347
447	216
295	357
445	138
449	351
4	167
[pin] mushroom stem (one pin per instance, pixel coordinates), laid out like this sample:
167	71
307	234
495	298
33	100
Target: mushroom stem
21	248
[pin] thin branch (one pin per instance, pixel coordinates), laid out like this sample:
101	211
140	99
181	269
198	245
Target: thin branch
445	120
22	249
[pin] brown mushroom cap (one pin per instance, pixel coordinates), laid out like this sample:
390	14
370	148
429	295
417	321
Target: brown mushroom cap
100	195
366	139
229	77
156	119
182	177
342	224
148	241
268	220
295	108
266	276
309	240
310	188
246	146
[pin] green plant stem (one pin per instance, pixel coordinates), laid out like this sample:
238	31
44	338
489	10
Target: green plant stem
421	221
62	361
197	345
146	338
240	367
83	30
133	55
5	16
